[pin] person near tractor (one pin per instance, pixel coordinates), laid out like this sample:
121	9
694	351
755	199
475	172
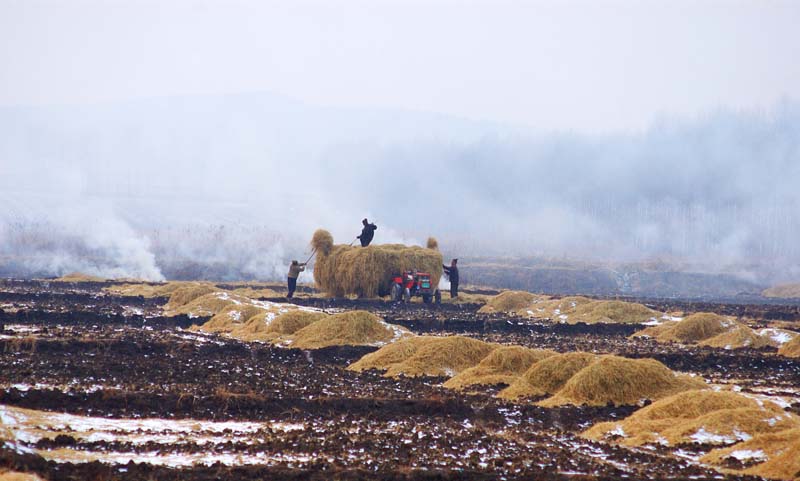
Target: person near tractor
452	274
367	233
294	271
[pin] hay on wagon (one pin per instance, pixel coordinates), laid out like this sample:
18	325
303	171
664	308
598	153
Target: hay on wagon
342	270
621	381
504	365
547	376
696	416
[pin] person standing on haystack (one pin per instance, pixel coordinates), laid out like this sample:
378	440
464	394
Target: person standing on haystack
294	272
367	233
452	274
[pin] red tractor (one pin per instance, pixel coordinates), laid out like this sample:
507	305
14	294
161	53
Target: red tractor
412	283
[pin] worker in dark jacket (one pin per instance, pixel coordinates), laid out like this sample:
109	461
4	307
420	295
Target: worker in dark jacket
294	271
367	233
452	274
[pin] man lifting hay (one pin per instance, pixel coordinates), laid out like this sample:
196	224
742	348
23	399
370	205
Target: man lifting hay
367	233
294	272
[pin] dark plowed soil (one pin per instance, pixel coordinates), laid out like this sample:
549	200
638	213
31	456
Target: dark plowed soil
70	349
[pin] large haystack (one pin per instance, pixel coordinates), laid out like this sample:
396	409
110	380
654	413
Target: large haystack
774	455
621	381
556	309
267	326
704	417
784	291
426	356
707	329
432	244
342	270
791	348
510	301
548	376
504	365
611	312
352	328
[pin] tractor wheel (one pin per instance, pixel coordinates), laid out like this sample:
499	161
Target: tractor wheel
397	293
406	295
426	298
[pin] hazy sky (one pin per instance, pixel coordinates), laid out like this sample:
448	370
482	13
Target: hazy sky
575	65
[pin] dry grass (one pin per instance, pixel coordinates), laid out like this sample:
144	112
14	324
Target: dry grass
185	294
266	326
353	328
611	312
16	476
621	381
231	318
778	453
256	293
547	376
504	365
147	290
79	277
208	304
426	356
510	301
791	348
784	291
432	244
554	308
696	416
707	329
342	270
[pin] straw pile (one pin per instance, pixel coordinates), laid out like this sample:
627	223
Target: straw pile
510	301
78	277
704	417
432	244
784	291
266	326
556	309
791	348
17	476
206	305
342	270
185	294
426	356
621	381
231	318
255	293
611	312
353	328
773	455
504	365
707	329
547	376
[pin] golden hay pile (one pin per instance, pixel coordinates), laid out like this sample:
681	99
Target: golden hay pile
426	356
207	305
707	329
342	270
432	244
784	291
556	309
611	312
510	301
78	277
231	318
621	381
791	348
504	365
17	476
267	326
352	328
547	376
146	290
188	293
776	455
256	293
705	417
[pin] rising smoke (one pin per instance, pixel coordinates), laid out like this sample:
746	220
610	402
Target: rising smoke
232	187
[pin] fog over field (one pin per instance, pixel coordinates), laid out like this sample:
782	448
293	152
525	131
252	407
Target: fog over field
115	161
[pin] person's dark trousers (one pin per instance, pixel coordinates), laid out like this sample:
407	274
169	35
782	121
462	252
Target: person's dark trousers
453	290
292	286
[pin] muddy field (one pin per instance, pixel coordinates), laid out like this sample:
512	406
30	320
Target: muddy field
95	386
